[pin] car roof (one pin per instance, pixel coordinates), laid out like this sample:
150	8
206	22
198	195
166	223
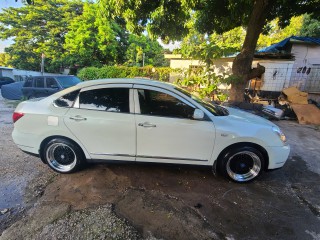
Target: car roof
125	81
97	82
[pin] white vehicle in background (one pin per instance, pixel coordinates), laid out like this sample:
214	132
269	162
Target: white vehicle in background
146	121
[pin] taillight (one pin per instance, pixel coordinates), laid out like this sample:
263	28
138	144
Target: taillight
16	116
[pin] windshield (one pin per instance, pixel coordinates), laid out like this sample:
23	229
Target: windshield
68	81
215	109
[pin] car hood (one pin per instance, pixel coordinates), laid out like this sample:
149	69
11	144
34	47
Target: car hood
243	116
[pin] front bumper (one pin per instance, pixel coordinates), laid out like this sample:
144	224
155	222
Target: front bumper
278	156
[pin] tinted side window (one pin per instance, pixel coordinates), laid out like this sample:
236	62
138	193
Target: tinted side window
162	104
51	83
106	99
67	100
28	83
39	82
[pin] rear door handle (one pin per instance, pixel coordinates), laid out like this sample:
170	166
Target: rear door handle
78	118
146	124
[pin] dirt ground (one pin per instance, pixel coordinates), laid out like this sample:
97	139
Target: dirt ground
152	201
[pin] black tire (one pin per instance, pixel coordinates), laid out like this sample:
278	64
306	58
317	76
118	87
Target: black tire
63	156
241	164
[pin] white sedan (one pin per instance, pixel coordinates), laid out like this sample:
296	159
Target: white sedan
146	121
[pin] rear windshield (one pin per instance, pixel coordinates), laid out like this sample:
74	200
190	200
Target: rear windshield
68	81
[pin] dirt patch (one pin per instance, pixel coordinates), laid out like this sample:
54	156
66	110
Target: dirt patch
189	202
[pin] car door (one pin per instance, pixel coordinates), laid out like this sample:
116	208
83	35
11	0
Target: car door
52	86
166	131
103	121
27	89
39	88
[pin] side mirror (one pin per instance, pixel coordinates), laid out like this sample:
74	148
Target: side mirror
198	114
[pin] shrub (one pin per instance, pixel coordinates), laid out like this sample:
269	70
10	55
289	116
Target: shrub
156	73
88	73
203	82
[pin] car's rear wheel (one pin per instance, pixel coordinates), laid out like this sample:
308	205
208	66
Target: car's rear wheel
241	164
63	156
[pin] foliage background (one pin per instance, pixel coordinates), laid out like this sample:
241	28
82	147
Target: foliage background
159	73
113	38
72	34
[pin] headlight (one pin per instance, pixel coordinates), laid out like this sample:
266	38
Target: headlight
280	134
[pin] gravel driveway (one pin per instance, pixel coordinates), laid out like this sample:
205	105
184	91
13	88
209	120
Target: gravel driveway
151	201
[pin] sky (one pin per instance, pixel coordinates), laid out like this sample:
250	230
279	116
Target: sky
6	4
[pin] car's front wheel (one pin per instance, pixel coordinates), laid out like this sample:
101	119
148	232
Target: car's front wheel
63	156
241	164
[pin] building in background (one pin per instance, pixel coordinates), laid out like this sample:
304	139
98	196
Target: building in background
19	74
295	61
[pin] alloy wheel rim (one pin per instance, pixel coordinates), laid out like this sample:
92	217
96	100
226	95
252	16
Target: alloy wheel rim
243	166
61	157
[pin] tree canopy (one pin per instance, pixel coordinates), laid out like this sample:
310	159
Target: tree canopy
207	47
310	27
93	33
139	45
37	29
94	40
4	59
168	19
72	33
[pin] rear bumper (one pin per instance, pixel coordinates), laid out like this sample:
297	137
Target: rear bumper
25	141
278	156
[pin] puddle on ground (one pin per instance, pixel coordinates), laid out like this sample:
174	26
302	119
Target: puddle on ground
12	193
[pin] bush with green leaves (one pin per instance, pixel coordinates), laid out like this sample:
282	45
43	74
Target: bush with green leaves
203	82
157	73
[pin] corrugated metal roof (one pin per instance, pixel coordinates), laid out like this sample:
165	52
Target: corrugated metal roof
278	47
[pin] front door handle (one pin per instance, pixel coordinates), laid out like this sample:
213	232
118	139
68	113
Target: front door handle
146	124
78	118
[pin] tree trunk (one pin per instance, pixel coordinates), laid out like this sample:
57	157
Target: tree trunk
242	64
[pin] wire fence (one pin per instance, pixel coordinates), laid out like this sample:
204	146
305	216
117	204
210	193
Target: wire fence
305	78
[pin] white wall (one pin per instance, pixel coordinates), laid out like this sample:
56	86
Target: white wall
20	75
306	68
275	78
220	66
302	72
6	73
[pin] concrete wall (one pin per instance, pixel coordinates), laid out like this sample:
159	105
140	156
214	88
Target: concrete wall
220	66
276	77
6	72
21	75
